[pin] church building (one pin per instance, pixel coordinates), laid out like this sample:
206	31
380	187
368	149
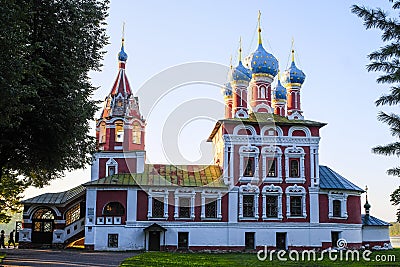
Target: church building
265	188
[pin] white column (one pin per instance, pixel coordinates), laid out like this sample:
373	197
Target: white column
317	165
264	206
149	206
314	205
219	206
312	158
203	207
91	197
140	162
176	204
233	205
94	172
131	206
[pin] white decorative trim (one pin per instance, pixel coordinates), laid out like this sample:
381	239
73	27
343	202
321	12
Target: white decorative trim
159	193
211	194
296	190
269	127
296	116
241	113
270	140
290	153
306	130
32	210
100	220
184	193
274	191
271	152
248	189
248	151
342	197
244	127
263	105
111	163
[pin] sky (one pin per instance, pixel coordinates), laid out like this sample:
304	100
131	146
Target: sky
331	47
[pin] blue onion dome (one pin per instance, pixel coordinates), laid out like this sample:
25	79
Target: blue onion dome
294	74
264	62
241	73
227	89
122	56
280	91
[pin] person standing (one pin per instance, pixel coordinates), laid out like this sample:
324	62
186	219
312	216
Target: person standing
2	237
11	240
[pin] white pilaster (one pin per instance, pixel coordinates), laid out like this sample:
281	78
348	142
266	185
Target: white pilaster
233	205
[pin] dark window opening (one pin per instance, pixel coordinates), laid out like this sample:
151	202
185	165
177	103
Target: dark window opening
112	240
183	240
272	206
111	170
337	208
249	164
184	208
249	240
248	206
294	168
335	238
211	209
158	208
271	164
296	206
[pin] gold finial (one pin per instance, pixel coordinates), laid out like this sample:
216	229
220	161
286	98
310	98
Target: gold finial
292	49
230	63
123	33
366	193
279	75
240	49
259	27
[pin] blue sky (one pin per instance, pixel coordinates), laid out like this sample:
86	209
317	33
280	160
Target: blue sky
331	48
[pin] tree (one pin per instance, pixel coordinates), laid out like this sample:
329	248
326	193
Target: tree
387	61
47	49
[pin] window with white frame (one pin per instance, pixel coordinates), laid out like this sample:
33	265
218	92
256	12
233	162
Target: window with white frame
248	201
184	203
271	164
337	205
294	165
111	167
136	133
157	204
296	201
211	204
248	167
272	202
119	131
102	133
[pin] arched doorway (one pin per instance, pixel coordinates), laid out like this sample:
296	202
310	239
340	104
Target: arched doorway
42	226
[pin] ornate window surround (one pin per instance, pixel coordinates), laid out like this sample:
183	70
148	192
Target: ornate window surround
248	189
290	153
271	190
111	163
184	193
248	151
211	194
157	193
342	197
271	152
296	190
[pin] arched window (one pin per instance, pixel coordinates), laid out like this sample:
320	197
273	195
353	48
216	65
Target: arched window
43	214
136	133
102	136
294	168
119	131
114	209
73	214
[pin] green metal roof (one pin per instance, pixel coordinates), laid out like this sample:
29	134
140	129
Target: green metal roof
55	198
167	175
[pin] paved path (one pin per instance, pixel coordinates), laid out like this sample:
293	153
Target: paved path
62	258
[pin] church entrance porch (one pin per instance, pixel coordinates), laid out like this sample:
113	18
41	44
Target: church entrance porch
152	237
42	226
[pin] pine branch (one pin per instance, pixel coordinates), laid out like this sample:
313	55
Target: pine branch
387	150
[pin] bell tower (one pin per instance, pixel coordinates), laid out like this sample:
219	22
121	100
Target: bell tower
120	130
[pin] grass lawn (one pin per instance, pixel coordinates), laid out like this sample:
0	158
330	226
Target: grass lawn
245	259
2	256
